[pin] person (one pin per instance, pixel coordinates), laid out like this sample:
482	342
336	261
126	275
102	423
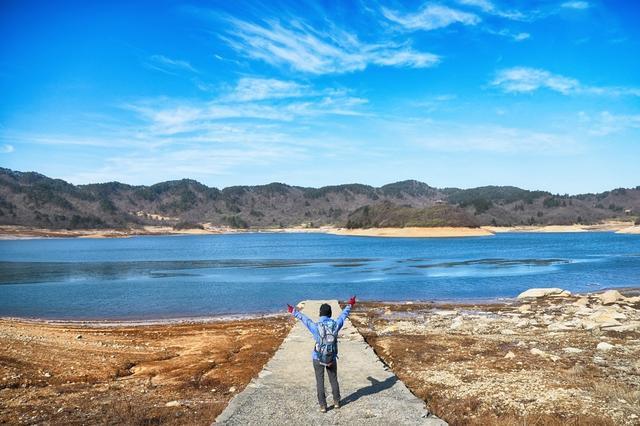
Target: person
325	351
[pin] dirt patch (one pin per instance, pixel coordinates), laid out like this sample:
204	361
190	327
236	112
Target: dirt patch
544	362
150	374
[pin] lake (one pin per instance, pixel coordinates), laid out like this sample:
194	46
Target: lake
199	276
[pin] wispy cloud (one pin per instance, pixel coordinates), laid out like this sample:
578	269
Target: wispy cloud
306	49
168	65
526	80
490	8
446	136
255	89
430	17
606	123
519	36
6	149
576	5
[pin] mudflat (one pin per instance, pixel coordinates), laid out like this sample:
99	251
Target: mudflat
64	373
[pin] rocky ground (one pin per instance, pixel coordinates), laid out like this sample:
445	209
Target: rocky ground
548	358
145	374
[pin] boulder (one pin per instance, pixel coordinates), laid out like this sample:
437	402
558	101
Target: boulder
537	293
582	302
571	350
604	346
560	326
510	355
607	317
456	323
610	297
524	309
536	351
172	404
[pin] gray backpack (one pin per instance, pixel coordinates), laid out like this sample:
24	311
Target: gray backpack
327	347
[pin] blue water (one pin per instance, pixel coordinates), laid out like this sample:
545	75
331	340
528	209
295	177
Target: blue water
193	276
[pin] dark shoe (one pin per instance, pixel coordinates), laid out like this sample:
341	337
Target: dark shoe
323	409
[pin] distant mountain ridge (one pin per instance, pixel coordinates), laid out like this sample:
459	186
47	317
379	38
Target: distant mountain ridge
35	200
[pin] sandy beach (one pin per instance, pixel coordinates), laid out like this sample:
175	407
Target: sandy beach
610	226
413	232
10	232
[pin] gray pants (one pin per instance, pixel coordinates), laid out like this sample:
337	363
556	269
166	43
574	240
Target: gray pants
332	371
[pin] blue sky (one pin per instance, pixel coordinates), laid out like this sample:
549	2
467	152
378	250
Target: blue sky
541	95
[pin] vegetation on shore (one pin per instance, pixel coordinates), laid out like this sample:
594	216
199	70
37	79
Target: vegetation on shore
33	200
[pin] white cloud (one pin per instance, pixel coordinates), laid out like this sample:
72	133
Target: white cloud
303	48
606	123
255	89
526	80
514	36
447	136
580	5
490	8
431	17
169	66
521	36
6	149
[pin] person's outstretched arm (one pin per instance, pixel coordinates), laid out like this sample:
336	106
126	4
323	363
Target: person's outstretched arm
345	312
311	326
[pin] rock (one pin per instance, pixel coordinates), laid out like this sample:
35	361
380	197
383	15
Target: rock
582	302
524	309
510	355
232	389
536	351
47	374
445	313
554	358
584	311
172	404
633	326
559	326
507	332
571	350
456	323
536	293
607	317
610	297
604	346
79	336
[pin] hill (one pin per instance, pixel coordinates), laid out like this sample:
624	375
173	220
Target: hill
35	200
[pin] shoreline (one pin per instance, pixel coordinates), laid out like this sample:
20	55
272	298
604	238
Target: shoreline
249	316
14	232
448	354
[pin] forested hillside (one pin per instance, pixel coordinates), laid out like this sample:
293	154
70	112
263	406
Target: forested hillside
31	199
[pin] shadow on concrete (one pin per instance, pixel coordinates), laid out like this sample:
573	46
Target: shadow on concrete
375	387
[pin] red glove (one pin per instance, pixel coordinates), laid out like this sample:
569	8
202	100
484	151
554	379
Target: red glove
352	301
289	308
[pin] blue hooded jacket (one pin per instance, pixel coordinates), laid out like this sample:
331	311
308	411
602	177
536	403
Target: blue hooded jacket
313	327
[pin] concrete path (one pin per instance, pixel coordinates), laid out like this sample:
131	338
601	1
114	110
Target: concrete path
285	393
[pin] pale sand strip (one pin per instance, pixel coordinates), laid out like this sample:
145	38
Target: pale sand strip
284	391
609	226
414	232
629	230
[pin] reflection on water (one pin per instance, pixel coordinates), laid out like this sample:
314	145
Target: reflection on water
159	277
